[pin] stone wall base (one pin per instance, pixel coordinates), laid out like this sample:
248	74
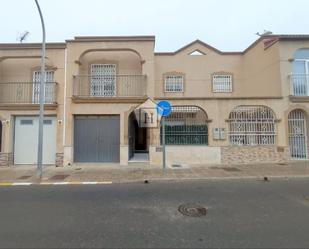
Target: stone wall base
186	155
59	159
254	154
6	159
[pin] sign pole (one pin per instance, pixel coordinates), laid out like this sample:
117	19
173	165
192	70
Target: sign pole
163	143
164	108
42	98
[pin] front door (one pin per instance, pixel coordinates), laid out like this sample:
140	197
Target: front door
298	134
131	135
137	140
0	135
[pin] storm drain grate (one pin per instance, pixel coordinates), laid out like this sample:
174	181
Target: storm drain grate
176	165
192	210
282	163
231	169
58	177
24	177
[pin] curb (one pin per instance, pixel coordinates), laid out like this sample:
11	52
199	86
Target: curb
229	178
8	184
213	178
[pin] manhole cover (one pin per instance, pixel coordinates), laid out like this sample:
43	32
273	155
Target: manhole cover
306	198
176	165
23	177
192	210
58	177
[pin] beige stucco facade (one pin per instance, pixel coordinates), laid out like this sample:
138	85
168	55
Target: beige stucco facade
260	77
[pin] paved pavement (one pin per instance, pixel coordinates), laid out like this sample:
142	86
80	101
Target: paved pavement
107	173
241	213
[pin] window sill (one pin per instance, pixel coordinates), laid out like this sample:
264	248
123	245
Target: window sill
297	99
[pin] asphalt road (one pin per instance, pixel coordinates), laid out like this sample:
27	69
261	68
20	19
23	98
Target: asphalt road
241	214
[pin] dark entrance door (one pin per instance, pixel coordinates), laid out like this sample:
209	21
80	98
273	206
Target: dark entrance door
97	138
137	137
0	135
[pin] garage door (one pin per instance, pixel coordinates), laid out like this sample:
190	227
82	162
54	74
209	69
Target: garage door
26	140
97	139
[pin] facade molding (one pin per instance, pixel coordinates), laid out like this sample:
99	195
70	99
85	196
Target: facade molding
27	107
111	100
220	98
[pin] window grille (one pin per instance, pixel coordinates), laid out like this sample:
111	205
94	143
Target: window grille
222	83
103	80
252	125
49	87
174	83
298	134
186	125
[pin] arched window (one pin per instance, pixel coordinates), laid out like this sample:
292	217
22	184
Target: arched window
252	125
300	75
186	125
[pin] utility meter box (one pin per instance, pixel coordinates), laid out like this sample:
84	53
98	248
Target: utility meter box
219	134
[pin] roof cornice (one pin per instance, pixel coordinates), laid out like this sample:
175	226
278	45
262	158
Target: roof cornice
272	40
112	39
16	46
200	43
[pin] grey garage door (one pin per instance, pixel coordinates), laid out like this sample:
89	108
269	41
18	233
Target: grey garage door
97	139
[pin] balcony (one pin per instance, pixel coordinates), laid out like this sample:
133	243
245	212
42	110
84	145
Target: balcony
26	93
108	87
299	85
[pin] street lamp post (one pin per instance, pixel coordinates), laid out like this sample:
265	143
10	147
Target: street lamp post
42	97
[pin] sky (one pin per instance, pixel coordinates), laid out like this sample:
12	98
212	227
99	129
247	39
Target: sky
228	25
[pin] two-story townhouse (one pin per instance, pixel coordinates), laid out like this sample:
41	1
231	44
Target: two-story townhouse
228	107
19	102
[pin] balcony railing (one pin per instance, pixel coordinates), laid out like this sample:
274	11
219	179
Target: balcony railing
104	86
299	84
26	93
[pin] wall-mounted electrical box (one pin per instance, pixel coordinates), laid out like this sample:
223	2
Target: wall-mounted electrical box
219	133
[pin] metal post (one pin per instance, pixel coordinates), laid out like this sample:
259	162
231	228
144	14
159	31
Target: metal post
163	143
42	96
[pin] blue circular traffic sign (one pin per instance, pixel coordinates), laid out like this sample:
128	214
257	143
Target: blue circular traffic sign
164	108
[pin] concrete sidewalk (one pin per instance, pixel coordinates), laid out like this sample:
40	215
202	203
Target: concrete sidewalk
136	173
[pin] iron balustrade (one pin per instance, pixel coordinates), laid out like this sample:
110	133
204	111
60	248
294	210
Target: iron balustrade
109	85
27	93
299	84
